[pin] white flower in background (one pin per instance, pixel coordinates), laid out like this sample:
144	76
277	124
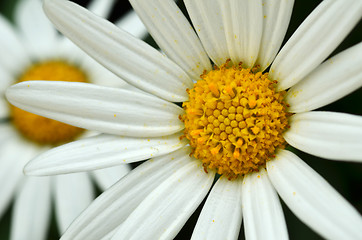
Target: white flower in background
234	120
34	50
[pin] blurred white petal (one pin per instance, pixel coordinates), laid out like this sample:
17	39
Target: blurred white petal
72	194
31	212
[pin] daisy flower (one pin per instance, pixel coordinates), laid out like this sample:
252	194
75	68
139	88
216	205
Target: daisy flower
34	50
226	120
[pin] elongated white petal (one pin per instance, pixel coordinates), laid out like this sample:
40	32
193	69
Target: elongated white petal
221	215
314	40
111	208
12	162
72	194
276	15
330	135
131	23
106	177
101	7
126	56
263	214
31	211
101	152
243	23
165	210
208	23
103	109
13	57
312	199
331	81
173	34
38	33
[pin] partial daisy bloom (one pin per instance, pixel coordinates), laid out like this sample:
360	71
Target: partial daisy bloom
34	50
234	124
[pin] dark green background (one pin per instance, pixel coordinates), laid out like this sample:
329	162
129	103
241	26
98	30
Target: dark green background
344	176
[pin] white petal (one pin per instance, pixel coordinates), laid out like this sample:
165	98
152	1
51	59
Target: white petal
126	56
103	109
263	214
110	234
243	23
330	135
106	177
100	75
314	40
331	81
12	162
276	15
101	7
173	34
13	57
208	23
7	130
31	214
66	49
221	215
132	24
37	31
101	152
5	81
111	208
72	194
4	109
165	210
312	199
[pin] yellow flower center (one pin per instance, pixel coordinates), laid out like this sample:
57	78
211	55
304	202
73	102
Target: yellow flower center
39	129
234	120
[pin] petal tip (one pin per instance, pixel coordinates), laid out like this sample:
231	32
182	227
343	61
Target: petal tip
30	170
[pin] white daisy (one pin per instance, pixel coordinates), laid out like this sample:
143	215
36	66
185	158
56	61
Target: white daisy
235	120
34	50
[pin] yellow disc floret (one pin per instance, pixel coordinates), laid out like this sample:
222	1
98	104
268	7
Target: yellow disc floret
234	120
40	129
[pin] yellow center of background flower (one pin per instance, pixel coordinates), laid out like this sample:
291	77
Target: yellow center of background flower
39	129
234	120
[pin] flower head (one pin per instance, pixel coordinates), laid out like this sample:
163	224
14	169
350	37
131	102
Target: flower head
34	50
235	120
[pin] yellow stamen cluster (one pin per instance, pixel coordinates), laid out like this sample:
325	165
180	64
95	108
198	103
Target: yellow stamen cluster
234	120
39	129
